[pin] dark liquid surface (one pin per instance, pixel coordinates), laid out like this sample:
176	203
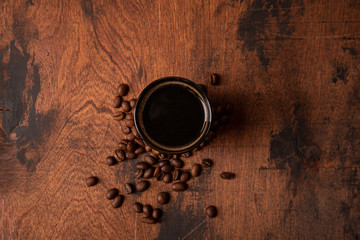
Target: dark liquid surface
173	115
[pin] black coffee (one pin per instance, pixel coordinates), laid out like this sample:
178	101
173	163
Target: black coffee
173	115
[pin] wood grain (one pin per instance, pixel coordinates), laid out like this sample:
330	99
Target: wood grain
290	67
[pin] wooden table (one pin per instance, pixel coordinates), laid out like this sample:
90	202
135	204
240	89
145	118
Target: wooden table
291	68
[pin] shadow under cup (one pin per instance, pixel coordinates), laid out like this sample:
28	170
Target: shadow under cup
173	115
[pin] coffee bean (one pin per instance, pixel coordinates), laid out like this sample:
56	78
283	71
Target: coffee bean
138	173
129	122
139	150
157	213
142	185
219	110
229	108
118	201
186	155
110	160
211	211
155	152
148	220
139	142
129	116
178	163
206	163
112	193
147	210
131	146
126	130
179	186
147	148
150	160
215	79
167	178
167	168
142	165
128	188
148	173
154	155
122	146
119	155
130	137
130	155
224	120
133	103
164	163
91	181
227	175
163	198
117	102
157	172
122	89
124	141
176	174
211	135
137	207
176	156
185	176
118	115
195	170
135	132
161	176
162	156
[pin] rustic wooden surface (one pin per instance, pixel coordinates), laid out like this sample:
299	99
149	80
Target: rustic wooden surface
292	69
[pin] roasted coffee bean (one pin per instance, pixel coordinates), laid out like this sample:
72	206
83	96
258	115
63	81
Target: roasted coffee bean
224	120
176	156
110	160
142	185
163	198
154	155
185	176
147	148
117	102
203	88
139	150
131	146
164	163
118	115
179	186
124	141
91	181
147	210
119	155
219	110
129	122
176	174
186	155
138	173
148	173
122	146
157	213
195	170
229	108
139	142
157	172
150	160
130	155
128	188
135	132
211	135
215	79
227	175
112	193
211	211
133	103
178	163
122	89
142	165
167	178
167	168
155	152
137	207
206	163
126	129
129	116
161	176
118	201
162	156
130	137
148	220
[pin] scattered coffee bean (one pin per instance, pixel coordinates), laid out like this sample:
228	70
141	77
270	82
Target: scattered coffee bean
167	168
157	213
167	178
163	156
137	207
206	163
215	79
129	116
147	148
112	193
227	175
138	173
135	132
211	211
186	155
224	120
142	185
155	152
130	155
195	170
142	165
126	129
139	150
154	155
161	176
117	102
122	146
185	176
176	174
147	210
157	172
164	163
178	163
110	160
91	181
130	137
179	186
128	188
163	198
129	122
148	220
131	146
150	160
122	89
118	115
139	142
133	103
118	201
148	173
119	155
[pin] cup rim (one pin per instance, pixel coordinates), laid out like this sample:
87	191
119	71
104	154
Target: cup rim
182	80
